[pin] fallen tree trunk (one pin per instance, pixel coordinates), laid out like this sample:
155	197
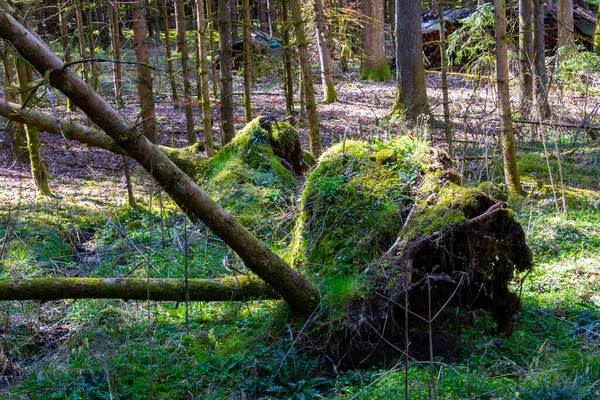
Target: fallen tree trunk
298	292
242	288
70	130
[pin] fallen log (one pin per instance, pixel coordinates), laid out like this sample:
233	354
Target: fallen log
241	288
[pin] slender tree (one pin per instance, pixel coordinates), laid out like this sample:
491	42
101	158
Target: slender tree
411	93
204	90
247	60
38	169
597	32
81	39
185	69
211	41
63	16
444	74
329	94
116	48
507	138
16	131
565	23
375	67
170	69
225	63
307	80
539	62
91	43
525	55
144	74
287	66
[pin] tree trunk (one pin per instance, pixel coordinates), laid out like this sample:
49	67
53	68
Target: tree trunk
597	33
63	16
298	292
444	73
329	95
539	62
411	93
375	67
307	80
203	71
91	43
263	15
509	153
116	46
170	69
287	67
81	39
144	74
247	60
242	288
525	55
233	20
16	131
38	170
225	63
565	23
185	69
211	41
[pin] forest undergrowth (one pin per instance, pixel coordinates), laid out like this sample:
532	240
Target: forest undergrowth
109	349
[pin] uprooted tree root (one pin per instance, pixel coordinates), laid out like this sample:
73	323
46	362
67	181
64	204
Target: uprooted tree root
457	250
454	271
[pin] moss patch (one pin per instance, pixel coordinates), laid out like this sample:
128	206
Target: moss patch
352	205
250	181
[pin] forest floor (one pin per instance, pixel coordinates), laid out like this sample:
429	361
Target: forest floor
115	349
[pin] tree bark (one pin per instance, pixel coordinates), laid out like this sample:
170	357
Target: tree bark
63	15
242	288
16	131
507	139
411	92
444	73
225	66
525	55
329	94
116	46
144	74
287	66
540	86
81	39
597	33
203	72
211	42
310	99
298	292
170	69
565	23
247	60
375	67
185	69
36	162
91	43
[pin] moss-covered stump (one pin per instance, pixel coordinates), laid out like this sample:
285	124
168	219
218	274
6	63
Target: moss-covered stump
380	222
252	177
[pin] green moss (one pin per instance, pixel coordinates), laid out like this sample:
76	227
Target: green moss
250	182
578	171
378	74
352	206
385	155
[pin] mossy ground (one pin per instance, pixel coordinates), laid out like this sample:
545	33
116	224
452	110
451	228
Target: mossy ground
88	349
